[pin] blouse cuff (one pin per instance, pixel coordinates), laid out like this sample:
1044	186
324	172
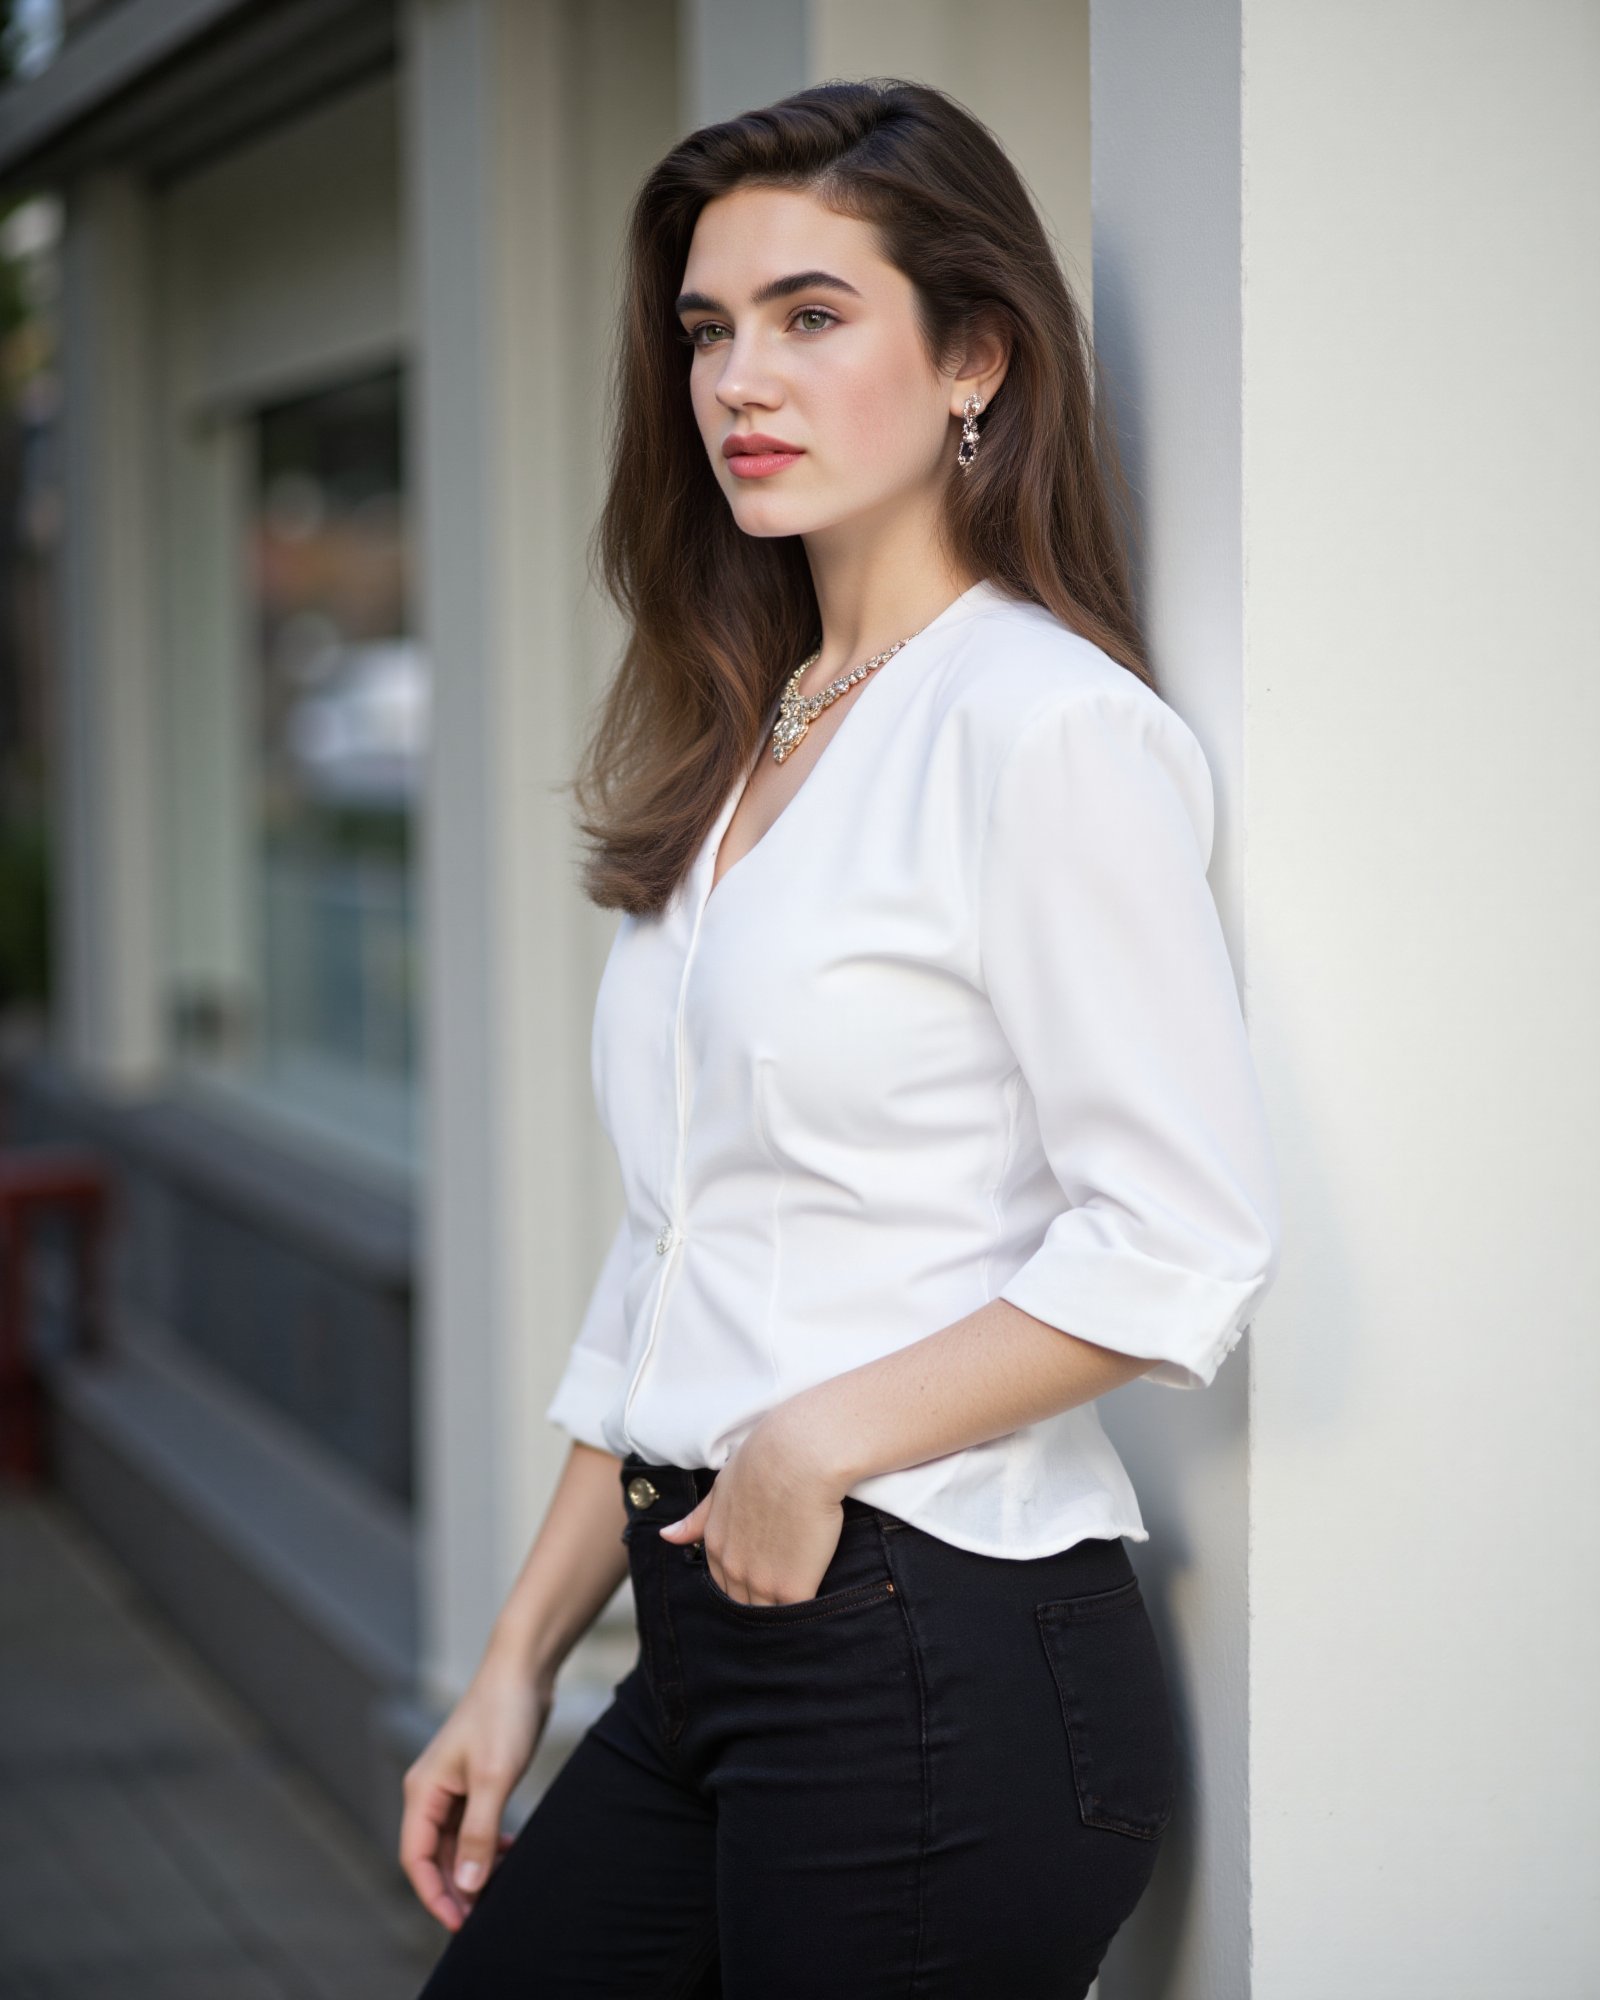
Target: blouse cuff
1115	1296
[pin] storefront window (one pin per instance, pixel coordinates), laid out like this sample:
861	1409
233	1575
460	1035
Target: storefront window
340	708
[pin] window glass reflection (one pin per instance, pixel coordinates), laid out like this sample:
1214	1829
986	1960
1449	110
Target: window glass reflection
341	715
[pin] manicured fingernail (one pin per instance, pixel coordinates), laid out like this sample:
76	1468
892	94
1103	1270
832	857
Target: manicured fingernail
469	1874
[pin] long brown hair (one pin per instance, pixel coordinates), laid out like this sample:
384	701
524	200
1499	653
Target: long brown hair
720	618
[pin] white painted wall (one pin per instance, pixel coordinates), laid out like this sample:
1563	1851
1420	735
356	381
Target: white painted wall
1422	518
1345	269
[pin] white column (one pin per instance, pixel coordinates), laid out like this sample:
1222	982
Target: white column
108	910
1423	703
527	123
1343	270
489	182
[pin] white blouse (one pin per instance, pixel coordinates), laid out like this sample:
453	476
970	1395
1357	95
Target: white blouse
962	1023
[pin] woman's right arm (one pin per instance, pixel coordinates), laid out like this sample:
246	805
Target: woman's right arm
456	1790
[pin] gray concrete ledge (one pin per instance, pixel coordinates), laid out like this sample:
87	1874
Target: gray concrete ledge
296	1585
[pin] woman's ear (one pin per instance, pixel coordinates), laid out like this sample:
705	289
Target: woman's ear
983	367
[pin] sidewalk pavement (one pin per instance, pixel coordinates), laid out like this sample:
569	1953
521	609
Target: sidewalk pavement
154	1844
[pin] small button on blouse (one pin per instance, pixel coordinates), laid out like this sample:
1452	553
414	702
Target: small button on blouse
961	1025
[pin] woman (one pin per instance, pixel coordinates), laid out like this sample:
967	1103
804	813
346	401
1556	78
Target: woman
922	1057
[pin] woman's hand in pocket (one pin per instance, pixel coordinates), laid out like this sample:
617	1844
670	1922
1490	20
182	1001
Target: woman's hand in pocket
772	1519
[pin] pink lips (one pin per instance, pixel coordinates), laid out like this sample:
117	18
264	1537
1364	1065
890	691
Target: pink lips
755	455
757	465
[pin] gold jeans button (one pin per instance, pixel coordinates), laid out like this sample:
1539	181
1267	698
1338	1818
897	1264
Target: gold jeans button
641	1492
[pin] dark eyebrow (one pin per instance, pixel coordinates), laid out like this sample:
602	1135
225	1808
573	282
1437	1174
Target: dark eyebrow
777	288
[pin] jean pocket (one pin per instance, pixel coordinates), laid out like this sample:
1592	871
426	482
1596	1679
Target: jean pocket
1115	1702
827	1605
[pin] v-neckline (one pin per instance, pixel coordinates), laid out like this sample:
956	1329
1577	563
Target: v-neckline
712	845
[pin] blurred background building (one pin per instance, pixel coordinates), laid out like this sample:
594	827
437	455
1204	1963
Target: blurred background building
306	312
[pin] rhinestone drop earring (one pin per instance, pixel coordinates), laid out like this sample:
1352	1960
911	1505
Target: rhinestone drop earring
968	449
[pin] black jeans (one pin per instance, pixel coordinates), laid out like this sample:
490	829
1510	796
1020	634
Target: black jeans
945	1775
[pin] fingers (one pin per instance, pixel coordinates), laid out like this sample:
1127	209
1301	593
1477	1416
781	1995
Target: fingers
693	1525
477	1844
443	1834
426	1842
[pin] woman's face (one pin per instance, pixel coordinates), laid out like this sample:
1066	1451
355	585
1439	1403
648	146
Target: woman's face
833	366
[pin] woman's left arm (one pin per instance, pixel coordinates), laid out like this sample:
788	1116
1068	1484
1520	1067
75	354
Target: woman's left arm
992	1372
778	1496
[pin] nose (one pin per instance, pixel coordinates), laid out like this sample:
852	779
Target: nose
741	381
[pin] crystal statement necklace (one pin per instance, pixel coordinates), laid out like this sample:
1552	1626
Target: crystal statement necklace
797	711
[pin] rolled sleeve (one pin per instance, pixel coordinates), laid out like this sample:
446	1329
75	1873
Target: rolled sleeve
595	1367
1105	962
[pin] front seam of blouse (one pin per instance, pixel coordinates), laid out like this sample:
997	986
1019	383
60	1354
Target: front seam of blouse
986	935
